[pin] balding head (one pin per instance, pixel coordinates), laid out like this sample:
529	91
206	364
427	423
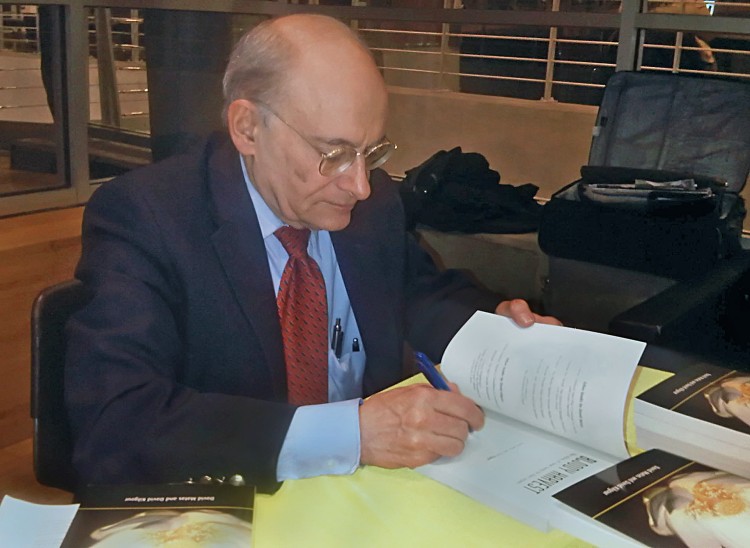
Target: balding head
301	90
270	60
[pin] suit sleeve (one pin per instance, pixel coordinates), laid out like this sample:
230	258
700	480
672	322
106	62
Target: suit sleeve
438	302
133	418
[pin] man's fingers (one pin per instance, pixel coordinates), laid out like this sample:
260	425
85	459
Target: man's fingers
414	425
551	320
457	406
518	310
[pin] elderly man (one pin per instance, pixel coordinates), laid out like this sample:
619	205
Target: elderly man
207	345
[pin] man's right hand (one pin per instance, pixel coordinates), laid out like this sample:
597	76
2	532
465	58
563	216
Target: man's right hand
414	425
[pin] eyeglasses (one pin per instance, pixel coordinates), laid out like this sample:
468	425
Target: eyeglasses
343	156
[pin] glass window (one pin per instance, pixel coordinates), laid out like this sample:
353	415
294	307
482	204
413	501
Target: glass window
30	151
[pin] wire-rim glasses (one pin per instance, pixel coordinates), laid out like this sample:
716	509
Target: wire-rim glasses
342	157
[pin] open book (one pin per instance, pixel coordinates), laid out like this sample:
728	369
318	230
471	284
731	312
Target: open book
555	402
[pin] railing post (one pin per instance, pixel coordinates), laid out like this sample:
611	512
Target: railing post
627	47
135	37
677	57
445	30
108	97
76	99
549	76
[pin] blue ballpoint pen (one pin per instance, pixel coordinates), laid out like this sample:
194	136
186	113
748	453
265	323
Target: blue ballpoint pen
429	370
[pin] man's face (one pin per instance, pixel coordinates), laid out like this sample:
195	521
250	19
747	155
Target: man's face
317	118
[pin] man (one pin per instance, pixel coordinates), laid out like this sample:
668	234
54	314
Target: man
176	368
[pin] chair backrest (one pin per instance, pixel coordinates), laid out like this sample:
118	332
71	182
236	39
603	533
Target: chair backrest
53	446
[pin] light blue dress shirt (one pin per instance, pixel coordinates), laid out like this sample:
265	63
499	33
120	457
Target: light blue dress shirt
322	439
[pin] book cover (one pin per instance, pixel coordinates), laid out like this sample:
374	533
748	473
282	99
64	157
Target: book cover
702	413
162	515
705	392
658	499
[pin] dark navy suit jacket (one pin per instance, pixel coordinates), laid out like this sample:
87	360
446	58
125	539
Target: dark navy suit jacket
175	369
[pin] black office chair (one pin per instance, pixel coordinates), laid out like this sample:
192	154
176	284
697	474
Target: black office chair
53	446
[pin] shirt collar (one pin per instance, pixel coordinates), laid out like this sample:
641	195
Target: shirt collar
267	219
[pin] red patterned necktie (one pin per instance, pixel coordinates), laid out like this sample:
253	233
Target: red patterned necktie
303	312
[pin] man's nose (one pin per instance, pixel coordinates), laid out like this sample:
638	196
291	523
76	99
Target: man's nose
359	179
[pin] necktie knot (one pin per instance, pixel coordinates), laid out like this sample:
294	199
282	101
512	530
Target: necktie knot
294	240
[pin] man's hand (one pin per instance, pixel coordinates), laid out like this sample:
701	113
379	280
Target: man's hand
414	425
518	310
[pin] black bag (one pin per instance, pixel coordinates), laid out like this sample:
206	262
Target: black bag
668	158
457	191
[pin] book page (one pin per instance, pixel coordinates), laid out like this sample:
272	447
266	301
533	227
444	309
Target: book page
516	469
569	382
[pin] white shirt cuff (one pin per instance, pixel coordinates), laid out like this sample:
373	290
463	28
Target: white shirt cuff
322	439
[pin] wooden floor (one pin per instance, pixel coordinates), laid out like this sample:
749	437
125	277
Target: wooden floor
17	477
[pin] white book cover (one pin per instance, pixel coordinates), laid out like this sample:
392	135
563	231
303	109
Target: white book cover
716	453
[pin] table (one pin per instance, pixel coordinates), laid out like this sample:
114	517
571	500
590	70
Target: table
379	507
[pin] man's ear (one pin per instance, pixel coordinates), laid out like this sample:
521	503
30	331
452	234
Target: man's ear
243	120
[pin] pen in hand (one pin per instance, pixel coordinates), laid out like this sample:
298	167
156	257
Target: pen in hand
434	377
428	369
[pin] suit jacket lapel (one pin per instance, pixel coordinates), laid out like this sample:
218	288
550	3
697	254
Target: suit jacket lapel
371	295
246	267
239	246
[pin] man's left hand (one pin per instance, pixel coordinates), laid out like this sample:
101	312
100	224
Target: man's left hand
518	310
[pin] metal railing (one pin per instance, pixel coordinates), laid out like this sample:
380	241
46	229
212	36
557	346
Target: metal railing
121	51
546	63
19	31
541	61
456	52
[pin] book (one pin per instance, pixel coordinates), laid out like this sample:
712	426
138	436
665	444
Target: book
701	413
555	401
162	515
658	499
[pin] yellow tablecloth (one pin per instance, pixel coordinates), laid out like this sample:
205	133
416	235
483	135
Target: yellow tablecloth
378	507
